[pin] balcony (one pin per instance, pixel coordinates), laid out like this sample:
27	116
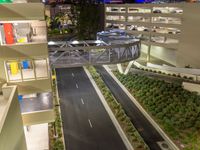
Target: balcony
10	120
37	108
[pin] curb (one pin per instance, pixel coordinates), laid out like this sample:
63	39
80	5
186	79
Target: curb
156	126
110	113
58	100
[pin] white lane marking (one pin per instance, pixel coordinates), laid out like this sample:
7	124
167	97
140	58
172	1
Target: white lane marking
90	123
82	101
72	74
76	85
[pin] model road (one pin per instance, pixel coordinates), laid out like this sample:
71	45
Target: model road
87	126
144	127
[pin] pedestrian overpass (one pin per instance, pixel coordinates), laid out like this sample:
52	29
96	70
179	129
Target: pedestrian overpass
64	54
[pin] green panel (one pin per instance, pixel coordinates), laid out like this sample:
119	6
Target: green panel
5	1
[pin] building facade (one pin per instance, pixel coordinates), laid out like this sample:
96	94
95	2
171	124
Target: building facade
24	60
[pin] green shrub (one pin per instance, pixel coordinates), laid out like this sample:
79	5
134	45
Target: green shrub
191	78
176	109
174	75
58	145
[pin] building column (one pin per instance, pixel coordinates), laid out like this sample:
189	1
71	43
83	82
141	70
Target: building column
149	53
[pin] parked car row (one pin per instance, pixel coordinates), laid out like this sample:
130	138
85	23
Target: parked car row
167	10
155	29
165	30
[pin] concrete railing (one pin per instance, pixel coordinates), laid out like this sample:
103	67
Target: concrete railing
182	72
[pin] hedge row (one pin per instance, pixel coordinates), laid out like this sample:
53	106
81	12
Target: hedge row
56	142
169	74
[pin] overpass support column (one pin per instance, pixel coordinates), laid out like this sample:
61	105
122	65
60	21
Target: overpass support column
149	53
128	67
120	69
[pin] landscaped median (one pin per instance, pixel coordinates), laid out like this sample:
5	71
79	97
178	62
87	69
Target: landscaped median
132	134
55	129
176	110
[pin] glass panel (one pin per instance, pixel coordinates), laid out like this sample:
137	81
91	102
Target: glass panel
13	71
41	68
27	69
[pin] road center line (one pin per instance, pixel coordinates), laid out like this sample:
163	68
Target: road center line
82	101
72	74
76	85
90	123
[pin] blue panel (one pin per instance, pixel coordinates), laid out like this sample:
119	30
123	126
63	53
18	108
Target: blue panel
105	1
20	97
143	1
139	1
25	64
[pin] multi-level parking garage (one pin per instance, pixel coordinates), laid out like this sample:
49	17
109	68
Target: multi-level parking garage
167	31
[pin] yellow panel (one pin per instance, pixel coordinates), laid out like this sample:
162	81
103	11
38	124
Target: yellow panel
22	40
14	68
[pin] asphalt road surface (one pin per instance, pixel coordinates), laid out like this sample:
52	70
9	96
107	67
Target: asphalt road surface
144	127
87	126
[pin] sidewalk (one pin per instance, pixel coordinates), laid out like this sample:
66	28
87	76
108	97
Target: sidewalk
37	137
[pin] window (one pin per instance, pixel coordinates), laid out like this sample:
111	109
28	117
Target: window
41	68
13	71
20	32
25	70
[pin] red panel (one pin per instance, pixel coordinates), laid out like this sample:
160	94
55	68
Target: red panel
8	30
